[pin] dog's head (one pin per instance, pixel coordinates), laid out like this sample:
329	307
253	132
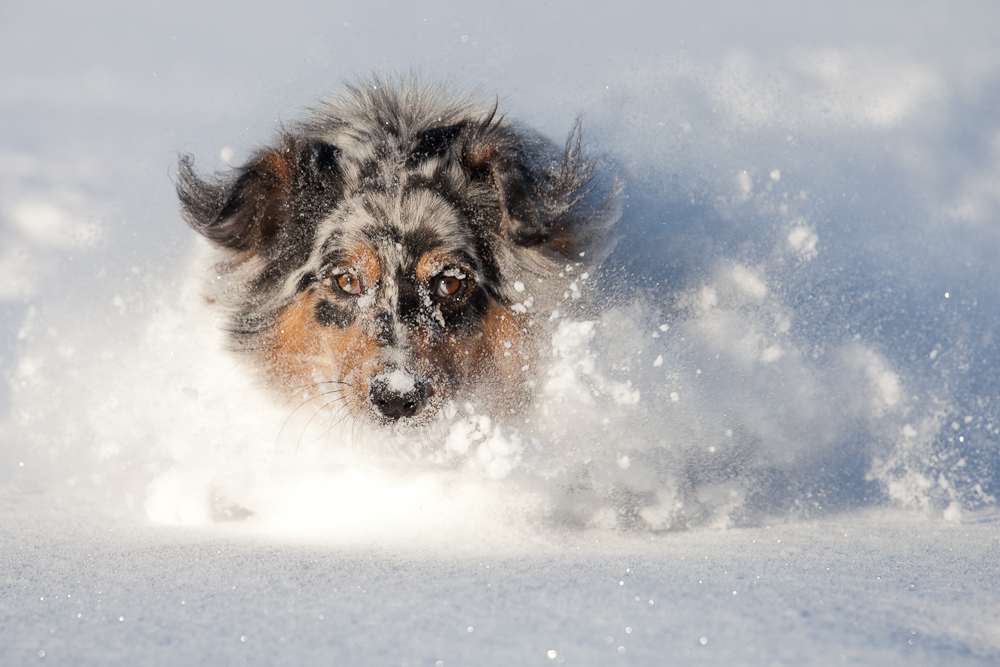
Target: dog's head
378	255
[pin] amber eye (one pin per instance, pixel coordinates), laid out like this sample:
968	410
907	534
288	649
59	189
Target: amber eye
349	283
447	286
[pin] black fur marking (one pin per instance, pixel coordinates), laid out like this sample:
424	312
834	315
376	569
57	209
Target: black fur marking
419	242
328	315
368	172
325	156
385	333
305	282
435	142
410	302
247	325
377	232
372	174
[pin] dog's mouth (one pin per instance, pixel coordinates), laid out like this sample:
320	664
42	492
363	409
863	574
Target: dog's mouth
398	396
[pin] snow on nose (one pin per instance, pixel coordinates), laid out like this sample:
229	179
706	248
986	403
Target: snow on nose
397	394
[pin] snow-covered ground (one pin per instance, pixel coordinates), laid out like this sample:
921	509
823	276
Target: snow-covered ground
882	589
768	432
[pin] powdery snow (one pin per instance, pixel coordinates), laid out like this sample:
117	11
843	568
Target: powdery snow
88	589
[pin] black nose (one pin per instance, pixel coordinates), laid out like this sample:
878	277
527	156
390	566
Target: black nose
394	402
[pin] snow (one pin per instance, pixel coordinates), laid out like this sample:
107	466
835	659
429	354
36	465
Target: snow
400	381
767	431
859	589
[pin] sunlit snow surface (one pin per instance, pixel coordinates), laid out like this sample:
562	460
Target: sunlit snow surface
767	430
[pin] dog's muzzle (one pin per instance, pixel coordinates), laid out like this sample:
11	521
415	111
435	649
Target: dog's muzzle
398	394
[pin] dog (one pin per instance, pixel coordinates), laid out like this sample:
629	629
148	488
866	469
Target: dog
397	250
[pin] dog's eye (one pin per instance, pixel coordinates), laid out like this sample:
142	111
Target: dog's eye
349	283
447	286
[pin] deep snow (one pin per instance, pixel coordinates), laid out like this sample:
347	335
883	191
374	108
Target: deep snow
794	340
862	589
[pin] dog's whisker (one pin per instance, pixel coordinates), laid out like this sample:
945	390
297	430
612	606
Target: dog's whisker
324	426
312	385
305	429
304	404
334	423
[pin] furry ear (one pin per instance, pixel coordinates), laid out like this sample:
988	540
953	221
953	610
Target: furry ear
246	211
537	192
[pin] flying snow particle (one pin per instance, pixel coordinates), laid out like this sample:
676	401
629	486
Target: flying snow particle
803	239
744	184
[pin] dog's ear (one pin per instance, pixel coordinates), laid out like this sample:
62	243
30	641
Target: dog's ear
247	210
536	192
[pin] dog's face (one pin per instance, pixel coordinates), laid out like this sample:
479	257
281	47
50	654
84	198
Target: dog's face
396	310
374	259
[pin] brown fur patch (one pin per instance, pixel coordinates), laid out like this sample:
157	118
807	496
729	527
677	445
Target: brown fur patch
480	153
276	163
302	353
366	261
564	242
430	264
505	344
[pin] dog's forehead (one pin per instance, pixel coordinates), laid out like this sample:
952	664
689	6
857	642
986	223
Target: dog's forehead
400	226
